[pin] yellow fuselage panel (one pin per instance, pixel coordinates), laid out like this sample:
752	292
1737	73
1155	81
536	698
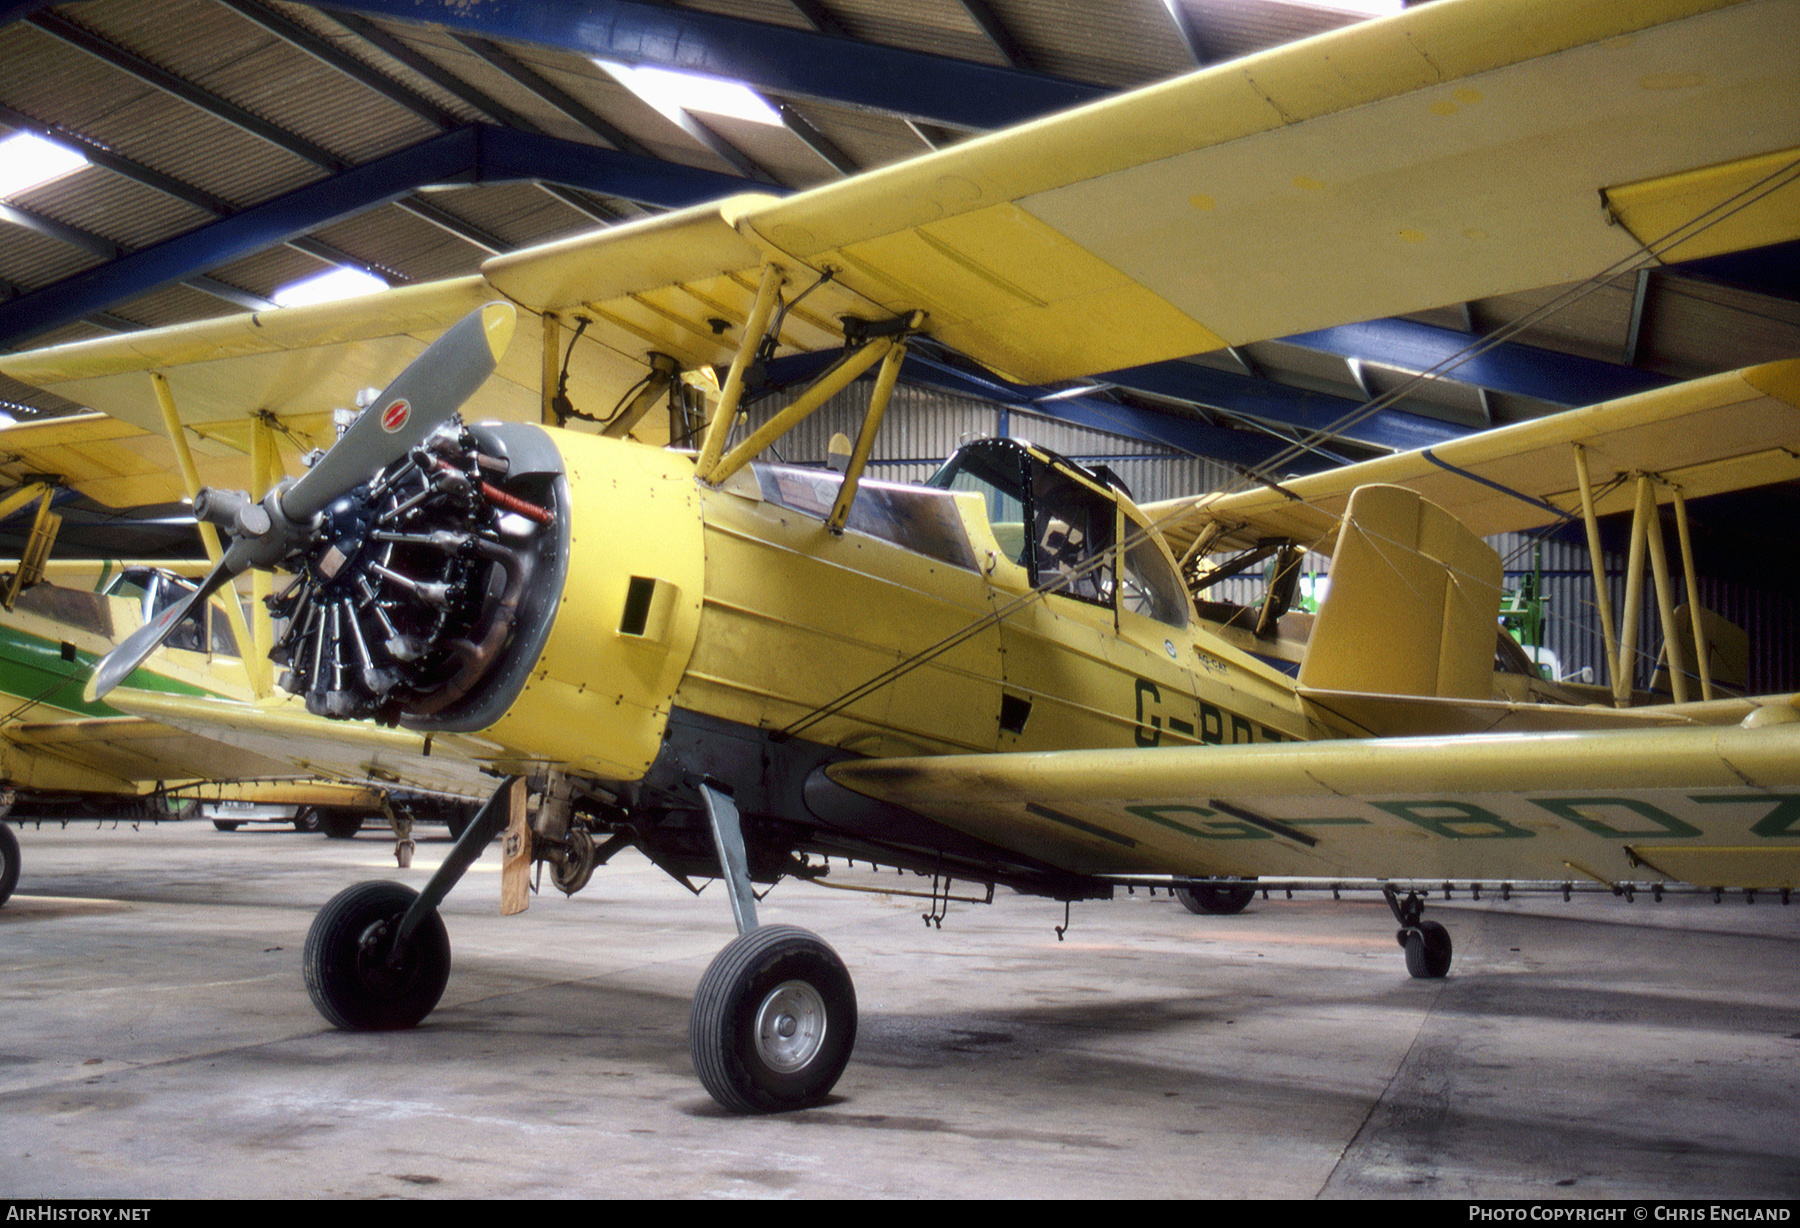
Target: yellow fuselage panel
797	620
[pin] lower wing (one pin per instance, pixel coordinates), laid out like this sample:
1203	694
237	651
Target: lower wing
1716	806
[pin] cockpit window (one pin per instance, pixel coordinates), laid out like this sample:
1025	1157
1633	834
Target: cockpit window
202	631
1063	530
922	521
1072	536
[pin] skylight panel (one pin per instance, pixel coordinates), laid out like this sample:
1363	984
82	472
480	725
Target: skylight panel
324	287
28	160
671	91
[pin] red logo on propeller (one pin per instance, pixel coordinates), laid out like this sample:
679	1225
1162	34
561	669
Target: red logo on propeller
394	416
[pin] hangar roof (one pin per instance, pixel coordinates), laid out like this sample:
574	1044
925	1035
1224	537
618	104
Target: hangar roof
237	146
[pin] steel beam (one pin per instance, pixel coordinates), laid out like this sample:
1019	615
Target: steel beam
1264	400
469	154
1184	435
1523	370
789	62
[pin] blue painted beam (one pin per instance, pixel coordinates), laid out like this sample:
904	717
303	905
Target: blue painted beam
1773	270
1183	435
1524	370
507	154
465	155
798	63
12	10
1268	401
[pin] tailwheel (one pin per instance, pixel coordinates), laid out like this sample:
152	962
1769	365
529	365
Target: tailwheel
356	978
1426	943
1427	947
773	1022
9	862
1216	899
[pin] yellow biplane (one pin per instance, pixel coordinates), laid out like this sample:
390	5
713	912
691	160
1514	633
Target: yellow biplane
1003	676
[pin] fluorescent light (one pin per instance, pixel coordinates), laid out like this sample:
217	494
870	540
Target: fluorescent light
670	90
335	284
27	160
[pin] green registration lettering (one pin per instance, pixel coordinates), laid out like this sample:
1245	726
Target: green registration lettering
1217	829
1212	724
1456	820
1782	820
1148	733
1571	808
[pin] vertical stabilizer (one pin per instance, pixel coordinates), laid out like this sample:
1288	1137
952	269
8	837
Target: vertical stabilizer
1413	603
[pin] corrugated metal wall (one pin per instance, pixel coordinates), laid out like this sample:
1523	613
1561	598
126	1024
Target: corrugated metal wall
924	426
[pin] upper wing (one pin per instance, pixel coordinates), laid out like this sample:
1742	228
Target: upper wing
290	368
1450	152
1725	432
1713	806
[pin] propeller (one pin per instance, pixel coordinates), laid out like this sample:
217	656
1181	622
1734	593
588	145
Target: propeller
421	398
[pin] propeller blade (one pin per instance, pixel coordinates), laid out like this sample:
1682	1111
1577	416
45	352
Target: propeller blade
421	398
433	386
116	666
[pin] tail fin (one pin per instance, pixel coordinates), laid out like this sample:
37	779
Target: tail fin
1413	603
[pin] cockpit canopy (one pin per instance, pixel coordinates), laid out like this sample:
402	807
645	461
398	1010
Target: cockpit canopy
1061	521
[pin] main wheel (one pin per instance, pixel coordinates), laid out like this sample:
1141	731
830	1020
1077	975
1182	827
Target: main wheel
226	824
9	862
1427	950
1213	899
306	819
348	971
340	824
774	1021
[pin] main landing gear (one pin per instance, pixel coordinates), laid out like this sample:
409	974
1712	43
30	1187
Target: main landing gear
378	957
774	1018
365	971
1426	943
773	1022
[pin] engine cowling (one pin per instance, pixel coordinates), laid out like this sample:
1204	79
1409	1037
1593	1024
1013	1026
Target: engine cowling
539	587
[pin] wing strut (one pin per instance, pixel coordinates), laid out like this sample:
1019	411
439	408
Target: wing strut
256	665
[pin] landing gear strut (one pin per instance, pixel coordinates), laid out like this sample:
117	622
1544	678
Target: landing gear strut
774	1018
1426	943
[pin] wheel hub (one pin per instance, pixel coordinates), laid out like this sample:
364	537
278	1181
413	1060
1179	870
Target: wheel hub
790	1026
376	962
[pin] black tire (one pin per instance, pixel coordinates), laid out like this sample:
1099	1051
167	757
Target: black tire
340	824
1427	950
306	819
347	972
1215	900
773	1022
226	824
9	862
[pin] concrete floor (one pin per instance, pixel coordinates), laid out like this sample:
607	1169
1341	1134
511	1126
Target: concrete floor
158	1042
